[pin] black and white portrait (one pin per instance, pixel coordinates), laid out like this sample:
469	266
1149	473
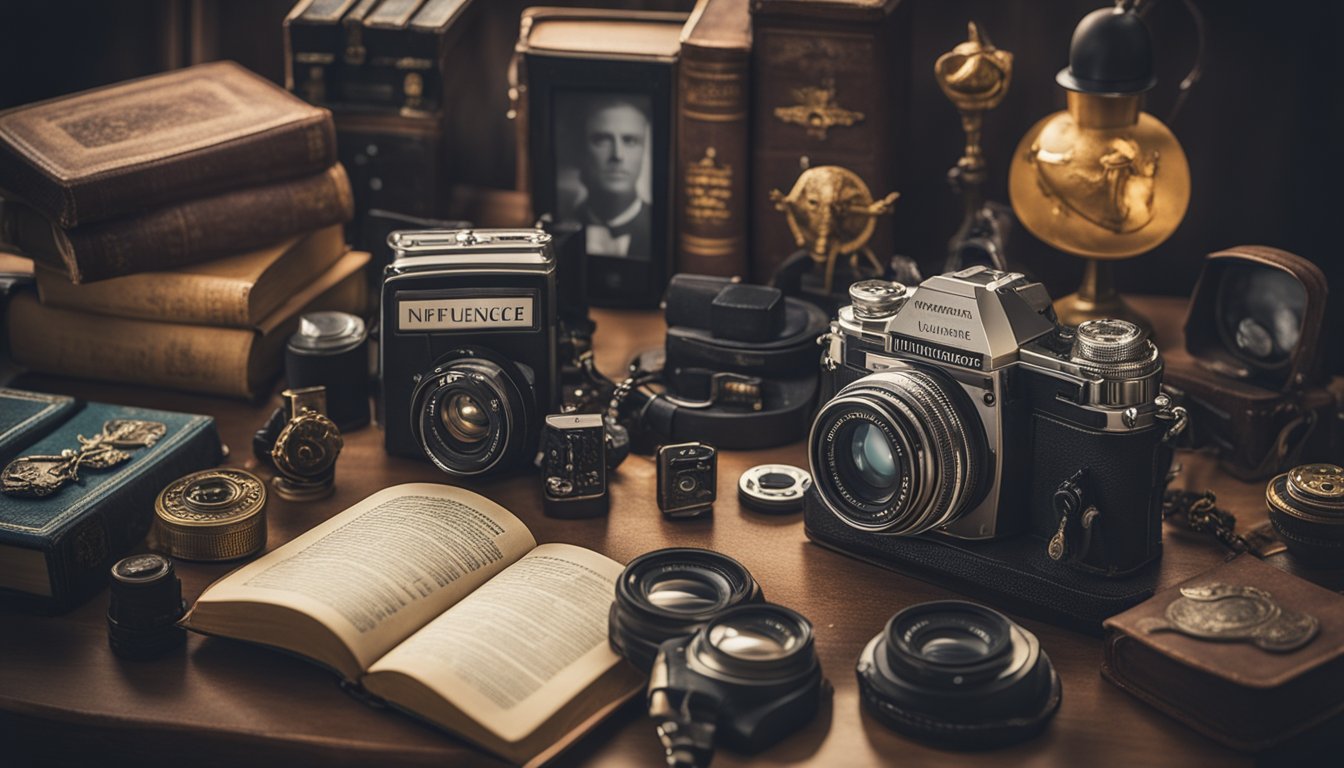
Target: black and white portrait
603	165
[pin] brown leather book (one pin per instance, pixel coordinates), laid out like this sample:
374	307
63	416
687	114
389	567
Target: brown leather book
713	139
829	83
235	362
144	143
234	291
186	233
1234	692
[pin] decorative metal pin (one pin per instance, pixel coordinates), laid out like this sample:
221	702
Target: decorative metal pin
41	476
1227	613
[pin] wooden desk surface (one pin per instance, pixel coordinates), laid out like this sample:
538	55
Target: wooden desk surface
222	702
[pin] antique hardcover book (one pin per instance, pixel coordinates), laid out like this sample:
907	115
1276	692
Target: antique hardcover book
162	139
234	291
57	550
316	50
188	232
713	139
440	602
27	416
236	362
829	82
1234	692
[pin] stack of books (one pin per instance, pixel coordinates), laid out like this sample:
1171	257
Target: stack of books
179	225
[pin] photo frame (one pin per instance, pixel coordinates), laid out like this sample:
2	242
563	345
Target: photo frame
599	153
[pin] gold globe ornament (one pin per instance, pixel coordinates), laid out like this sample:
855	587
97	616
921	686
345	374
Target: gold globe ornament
1102	180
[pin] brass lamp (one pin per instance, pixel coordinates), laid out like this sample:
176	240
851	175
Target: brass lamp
1102	180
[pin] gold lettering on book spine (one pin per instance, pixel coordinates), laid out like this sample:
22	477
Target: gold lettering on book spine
709	190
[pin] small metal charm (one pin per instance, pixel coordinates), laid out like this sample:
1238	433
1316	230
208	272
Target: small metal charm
40	476
306	450
1226	613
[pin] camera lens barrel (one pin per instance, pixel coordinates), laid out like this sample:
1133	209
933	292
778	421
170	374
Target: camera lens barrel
671	593
899	452
470	416
144	607
958	674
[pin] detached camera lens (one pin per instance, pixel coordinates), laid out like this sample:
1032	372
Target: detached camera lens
746	679
673	593
958	674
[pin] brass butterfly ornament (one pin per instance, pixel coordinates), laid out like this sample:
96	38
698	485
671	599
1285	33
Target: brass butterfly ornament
40	476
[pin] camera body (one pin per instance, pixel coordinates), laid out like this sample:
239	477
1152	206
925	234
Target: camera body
687	479
468	347
961	408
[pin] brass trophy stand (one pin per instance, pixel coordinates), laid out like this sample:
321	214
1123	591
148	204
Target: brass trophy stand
975	76
1102	180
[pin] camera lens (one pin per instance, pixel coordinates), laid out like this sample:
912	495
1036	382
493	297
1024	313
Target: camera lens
471	415
959	674
761	643
899	452
672	593
465	419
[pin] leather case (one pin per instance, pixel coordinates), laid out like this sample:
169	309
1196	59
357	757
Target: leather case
1234	692
1251	379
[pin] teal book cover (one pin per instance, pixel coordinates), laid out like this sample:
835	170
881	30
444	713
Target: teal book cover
27	416
56	550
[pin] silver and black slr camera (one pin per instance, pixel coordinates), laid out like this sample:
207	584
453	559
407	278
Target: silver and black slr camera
468	347
961	408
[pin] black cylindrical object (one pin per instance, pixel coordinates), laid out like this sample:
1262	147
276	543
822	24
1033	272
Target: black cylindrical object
145	605
332	349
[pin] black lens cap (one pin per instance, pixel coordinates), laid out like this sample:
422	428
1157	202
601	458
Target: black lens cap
773	488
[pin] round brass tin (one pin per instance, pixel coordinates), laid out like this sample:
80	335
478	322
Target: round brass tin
214	514
1306	508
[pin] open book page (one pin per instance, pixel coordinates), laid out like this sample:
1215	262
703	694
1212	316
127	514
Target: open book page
373	574
519	649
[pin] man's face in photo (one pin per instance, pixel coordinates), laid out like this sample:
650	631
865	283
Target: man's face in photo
614	137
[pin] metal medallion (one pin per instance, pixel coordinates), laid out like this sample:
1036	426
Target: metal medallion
40	476
214	514
1227	613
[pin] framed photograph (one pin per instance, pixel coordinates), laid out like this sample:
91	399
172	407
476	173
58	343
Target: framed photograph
599	115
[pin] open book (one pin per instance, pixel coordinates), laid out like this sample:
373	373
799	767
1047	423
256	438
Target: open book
440	602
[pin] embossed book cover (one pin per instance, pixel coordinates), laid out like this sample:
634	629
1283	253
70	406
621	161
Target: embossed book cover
140	144
63	523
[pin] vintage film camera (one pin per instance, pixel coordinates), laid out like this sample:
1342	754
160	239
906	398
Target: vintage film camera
1034	454
468	352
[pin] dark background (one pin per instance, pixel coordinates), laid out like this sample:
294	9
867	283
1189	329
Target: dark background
1262	128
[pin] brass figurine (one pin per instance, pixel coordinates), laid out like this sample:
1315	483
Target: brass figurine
1102	180
39	476
831	214
306	450
975	77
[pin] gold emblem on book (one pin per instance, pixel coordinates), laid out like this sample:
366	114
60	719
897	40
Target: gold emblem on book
831	214
817	111
1228	613
40	476
709	187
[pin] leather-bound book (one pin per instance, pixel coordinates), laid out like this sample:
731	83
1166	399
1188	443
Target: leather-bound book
713	139
235	362
144	143
56	551
234	291
188	232
829	83
1239	672
27	416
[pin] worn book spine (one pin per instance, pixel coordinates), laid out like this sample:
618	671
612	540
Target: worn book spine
234	362
713	140
104	517
190	232
829	87
194	295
